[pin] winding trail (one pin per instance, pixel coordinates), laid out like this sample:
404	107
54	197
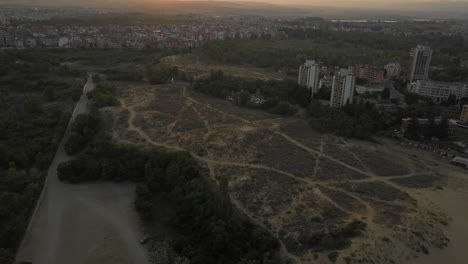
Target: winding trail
208	129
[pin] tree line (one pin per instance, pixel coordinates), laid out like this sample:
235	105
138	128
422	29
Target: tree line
34	113
210	228
274	96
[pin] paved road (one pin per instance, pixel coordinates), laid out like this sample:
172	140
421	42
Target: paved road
394	94
89	223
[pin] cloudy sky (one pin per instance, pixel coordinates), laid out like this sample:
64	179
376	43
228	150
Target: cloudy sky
395	4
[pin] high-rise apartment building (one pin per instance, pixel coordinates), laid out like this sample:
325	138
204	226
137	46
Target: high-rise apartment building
420	61
343	88
309	76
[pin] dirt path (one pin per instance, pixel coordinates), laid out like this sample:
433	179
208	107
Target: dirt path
194	104
92	223
270	127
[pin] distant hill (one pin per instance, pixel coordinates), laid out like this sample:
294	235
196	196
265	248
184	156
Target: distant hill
449	6
438	10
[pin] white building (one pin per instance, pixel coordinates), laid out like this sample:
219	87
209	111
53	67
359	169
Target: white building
343	88
393	69
2	20
309	76
63	42
420	62
440	91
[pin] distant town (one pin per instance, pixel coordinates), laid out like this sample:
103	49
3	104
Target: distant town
24	28
232	132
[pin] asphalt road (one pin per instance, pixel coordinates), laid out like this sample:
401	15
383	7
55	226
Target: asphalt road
88	223
394	94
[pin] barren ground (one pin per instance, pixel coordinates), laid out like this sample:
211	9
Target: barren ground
194	66
294	181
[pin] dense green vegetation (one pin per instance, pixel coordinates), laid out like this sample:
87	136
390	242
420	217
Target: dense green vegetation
117	65
19	190
161	74
359	120
277	95
451	74
103	95
417	131
210	229
334	240
36	100
84	128
124	19
123	75
341	49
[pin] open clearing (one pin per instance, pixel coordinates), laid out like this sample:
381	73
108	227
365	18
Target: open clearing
196	66
293	181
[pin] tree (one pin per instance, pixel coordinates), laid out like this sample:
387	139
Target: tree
386	93
32	105
96	78
411	98
413	130
451	100
216	75
430	130
323	93
174	71
283	108
49	93
443	128
243	97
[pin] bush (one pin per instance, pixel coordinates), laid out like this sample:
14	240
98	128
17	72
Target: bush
278	95
334	240
210	229
333	256
102	95
162	75
84	128
283	108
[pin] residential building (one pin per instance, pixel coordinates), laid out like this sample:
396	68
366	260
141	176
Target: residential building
464	115
393	69
2	20
368	72
405	122
342	88
309	76
420	62
440	91
63	42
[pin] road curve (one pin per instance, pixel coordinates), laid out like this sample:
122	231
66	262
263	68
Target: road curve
77	224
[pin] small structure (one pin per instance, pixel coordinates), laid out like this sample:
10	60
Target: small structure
393	69
369	72
459	161
464	115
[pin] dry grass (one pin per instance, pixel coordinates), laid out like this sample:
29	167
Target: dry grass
282	174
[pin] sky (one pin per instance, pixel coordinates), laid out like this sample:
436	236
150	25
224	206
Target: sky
385	4
349	3
354	3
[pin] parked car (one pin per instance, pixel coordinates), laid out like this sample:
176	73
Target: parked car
144	240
